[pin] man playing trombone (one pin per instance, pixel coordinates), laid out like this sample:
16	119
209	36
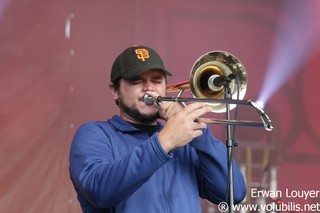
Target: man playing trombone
134	163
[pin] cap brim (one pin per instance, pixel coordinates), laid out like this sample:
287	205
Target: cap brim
145	69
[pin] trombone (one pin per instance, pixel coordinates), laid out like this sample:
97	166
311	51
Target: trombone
208	79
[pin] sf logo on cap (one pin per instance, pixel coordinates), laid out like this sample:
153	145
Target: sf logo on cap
142	54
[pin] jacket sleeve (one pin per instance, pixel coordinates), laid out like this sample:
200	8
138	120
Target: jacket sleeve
104	181
212	165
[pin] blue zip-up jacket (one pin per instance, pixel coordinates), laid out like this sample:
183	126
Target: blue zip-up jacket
117	168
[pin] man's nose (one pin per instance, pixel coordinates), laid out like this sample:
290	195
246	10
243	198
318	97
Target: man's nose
148	86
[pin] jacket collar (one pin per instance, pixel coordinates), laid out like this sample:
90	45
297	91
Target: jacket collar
124	126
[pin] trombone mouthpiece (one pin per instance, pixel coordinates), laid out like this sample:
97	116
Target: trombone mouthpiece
148	100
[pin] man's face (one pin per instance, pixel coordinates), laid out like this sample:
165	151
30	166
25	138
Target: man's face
130	97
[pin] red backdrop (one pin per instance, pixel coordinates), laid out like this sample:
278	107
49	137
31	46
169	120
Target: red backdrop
55	58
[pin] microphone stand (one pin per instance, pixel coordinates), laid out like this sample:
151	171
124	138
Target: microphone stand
230	146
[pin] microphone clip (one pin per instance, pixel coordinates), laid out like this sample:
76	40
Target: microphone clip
217	82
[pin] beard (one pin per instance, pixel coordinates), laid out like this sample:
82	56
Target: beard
133	112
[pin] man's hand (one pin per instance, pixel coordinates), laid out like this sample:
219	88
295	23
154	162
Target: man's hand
181	126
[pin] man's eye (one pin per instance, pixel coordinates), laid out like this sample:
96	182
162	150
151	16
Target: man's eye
136	81
157	80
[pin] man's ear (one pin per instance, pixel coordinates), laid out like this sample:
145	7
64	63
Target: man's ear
114	93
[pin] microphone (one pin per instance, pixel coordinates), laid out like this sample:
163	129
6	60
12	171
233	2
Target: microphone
217	82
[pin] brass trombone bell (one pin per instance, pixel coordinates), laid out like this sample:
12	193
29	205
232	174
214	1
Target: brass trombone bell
214	63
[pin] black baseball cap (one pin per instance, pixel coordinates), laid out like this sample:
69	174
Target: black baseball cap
135	60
